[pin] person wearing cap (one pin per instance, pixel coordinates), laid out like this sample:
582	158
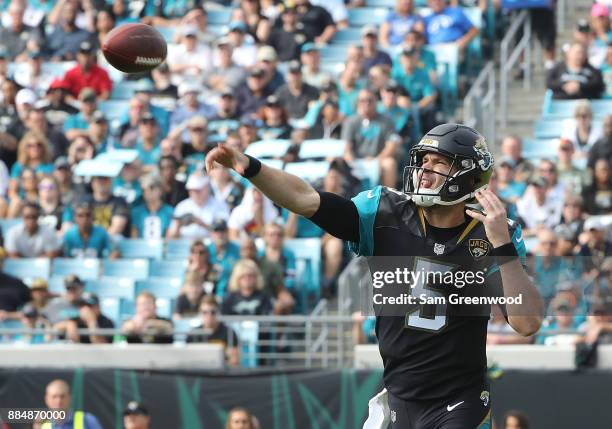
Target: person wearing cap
152	218
226	119
86	240
65	40
600	34
598	326
372	55
87	74
100	134
136	416
173	190
507	188
570	176
31	318
188	107
55	105
562	328
141	101
318	24
39	289
162	83
58	397
18	35
252	94
575	78
286	39
268	61
275	119
402	117
310	57
295	95
195	147
595	246
537	208
398	23
367	135
189	59
417	84
224	73
147	143
31	239
244	51
76	125
449	24
192	217
89	317
65	307
223	253
247	130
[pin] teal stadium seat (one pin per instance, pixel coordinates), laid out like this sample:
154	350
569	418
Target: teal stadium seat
333	52
388	4
85	269
112	287
347	36
368	171
177	249
307	250
141	248
123	90
28	269
360	16
309	170
559	109
168	33
168	268
136	269
6	224
219	16
113	109
111	308
166	291
535	148
268	148
548	128
56	284
322	148
447	58
248	334
183	326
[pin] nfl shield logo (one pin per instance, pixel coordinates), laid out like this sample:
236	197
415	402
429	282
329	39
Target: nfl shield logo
393	416
479	248
438	248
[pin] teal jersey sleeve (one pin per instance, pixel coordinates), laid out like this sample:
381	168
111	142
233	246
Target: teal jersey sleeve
367	207
519	245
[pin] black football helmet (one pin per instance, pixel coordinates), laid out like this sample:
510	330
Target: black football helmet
471	165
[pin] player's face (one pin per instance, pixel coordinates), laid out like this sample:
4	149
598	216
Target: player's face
433	163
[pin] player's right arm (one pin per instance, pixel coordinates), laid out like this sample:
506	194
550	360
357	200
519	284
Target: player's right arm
335	214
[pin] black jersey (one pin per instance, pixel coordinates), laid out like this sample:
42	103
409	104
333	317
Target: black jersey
434	350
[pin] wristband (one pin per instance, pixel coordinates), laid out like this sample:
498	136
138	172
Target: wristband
504	253
253	168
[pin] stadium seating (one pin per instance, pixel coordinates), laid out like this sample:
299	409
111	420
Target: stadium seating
86	269
447	57
347	36
559	109
546	148
268	148
219	16
322	148
248	333
358	17
141	248
56	284
332	52
309	170
113	109
28	269
166	290
168	268
112	287
6	224
177	249
548	128
136	269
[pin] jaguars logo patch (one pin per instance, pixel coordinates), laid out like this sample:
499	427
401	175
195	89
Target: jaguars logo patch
479	248
484	397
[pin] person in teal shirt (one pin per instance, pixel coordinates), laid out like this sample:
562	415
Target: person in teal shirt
152	218
147	144
401	117
348	88
86	240
78	123
224	254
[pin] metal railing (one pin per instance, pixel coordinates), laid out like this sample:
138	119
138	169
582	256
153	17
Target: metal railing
479	103
510	56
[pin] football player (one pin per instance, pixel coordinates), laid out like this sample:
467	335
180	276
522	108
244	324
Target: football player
434	363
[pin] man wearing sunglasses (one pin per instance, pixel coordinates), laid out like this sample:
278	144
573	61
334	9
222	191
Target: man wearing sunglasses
31	240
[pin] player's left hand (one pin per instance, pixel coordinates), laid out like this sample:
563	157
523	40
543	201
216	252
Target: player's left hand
495	220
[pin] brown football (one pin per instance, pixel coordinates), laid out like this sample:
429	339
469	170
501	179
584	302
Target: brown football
134	48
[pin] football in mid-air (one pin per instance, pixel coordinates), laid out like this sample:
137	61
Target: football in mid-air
134	48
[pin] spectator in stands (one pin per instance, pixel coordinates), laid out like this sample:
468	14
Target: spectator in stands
136	416
251	215
275	120
252	95
367	135
77	125
512	147
128	133
267	60
14	294
63	176
30	74
89	317
189	107
537	208
562	328
86	240
239	418
317	23
598	327
246	297
31	240
549	269
272	272
595	245
11	127
598	196
196	146
144	91
581	130
296	95
55	106
216	331
247	130
572	214
223	254
188	302
80	148
109	211
36	121
602	147
276	252
147	143
500	332
606	72
547	169
448	24
515	420
127	184
287	38
571	177
189	59
415	81
39	289
171	147
225	188
193	216
311	66
173	190
26	193
329	122
164	89
146	326
227	110
57	397
151	219
32	319
100	134
65	306
257	25
372	55
224	73
103	24
87	74
64	42
389	106
575	78
34	153
399	22
507	188
200	265
244	53
17	37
